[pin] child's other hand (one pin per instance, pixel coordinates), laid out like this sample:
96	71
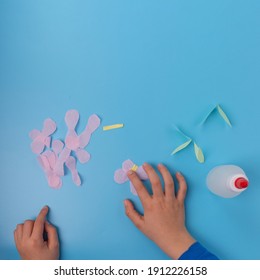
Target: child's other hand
30	242
164	214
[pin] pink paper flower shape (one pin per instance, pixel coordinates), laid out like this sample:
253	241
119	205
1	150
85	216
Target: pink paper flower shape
48	161
42	138
120	175
76	142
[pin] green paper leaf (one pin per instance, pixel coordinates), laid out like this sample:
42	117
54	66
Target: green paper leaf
223	115
198	153
181	147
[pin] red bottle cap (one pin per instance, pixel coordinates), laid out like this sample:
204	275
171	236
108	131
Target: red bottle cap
241	183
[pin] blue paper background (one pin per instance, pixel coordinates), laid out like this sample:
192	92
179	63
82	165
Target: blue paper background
150	65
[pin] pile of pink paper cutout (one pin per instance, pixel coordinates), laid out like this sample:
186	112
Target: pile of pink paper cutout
52	160
120	175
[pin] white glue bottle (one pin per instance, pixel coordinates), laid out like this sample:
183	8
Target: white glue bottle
227	181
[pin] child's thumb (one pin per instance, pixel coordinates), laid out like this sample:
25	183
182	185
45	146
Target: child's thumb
133	215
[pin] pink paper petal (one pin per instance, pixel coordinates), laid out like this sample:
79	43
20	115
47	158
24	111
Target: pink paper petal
54	181
57	146
84	138
120	176
132	189
82	155
47	142
34	134
49	127
64	154
141	173
37	146
72	142
76	179
127	165
71	164
51	158
71	119
44	163
59	167
93	123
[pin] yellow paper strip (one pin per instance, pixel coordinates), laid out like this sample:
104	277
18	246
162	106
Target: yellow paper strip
114	126
135	167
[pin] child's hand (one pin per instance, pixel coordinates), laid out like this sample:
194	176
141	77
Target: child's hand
29	239
164	214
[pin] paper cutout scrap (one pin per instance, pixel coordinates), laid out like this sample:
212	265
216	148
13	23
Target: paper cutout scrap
198	151
181	147
52	160
59	166
114	126
71	164
42	139
91	127
224	116
134	168
120	175
220	112
76	142
47	161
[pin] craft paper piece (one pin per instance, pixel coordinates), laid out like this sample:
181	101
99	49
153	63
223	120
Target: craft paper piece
76	142
71	120
57	146
42	138
198	153
47	161
92	125
120	175
134	168
52	160
114	126
181	147
184	145
220	112
71	164
59	167
197	149
224	116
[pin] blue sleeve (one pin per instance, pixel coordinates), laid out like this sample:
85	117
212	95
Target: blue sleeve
197	252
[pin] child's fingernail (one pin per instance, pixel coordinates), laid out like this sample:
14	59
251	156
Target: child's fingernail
45	207
179	173
130	172
160	165
145	164
125	202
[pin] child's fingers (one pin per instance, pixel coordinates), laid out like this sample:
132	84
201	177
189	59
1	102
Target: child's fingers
182	187
140	188
154	179
28	228
53	239
133	215
18	233
38	228
168	180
